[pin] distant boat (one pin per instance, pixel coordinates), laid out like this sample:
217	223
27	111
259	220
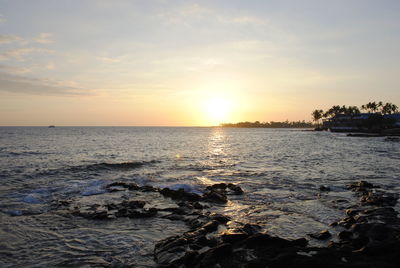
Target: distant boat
52	126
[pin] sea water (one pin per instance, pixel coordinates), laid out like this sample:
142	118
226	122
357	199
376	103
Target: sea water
280	171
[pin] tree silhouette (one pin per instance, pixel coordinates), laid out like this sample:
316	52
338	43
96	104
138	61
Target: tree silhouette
317	115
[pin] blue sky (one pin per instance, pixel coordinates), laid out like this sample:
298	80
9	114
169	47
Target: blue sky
163	62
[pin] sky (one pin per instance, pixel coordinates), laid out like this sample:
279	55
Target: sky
193	63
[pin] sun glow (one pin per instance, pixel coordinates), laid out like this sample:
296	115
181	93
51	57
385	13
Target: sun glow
218	110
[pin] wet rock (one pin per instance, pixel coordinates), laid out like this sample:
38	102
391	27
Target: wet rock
219	217
211	226
217	186
174	217
301	242
189	258
148	188
352	212
360	186
211	257
94	214
379	232
324	188
180	194
197	205
223	188
251	229
379	199
347	222
321	235
214	196
265	240
133	204
116	186
235	189
345	235
233	237
144	213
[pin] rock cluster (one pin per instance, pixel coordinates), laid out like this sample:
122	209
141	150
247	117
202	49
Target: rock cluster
368	236
187	210
373	227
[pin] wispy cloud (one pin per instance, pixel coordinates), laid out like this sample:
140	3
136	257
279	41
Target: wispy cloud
43	38
20	54
15	69
109	59
4	39
35	86
248	20
194	10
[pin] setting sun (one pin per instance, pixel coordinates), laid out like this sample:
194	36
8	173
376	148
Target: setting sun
218	110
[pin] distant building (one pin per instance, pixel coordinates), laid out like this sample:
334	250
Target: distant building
363	122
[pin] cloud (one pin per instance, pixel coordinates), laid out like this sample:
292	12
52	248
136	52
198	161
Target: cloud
2	19
43	38
4	39
14	69
35	86
194	10
109	59
248	20
20	53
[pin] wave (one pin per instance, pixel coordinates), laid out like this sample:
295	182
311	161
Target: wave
6	154
114	166
104	166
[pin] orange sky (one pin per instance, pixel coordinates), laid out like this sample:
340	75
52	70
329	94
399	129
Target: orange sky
193	63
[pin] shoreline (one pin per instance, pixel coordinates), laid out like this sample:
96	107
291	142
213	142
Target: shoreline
368	235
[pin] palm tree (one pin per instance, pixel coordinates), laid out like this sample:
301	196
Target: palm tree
352	110
373	106
364	108
389	108
317	115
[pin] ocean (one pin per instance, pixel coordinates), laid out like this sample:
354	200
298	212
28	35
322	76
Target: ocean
280	171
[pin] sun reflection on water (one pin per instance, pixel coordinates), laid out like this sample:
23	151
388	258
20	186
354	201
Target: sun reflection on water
217	143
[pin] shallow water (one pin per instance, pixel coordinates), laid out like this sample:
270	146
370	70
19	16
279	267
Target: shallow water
280	171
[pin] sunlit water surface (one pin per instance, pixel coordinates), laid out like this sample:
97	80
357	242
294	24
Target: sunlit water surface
280	171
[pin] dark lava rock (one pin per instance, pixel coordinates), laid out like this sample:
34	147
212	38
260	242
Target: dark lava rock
322	235
217	186
345	235
235	189
133	204
265	240
148	188
219	217
212	257
223	187
180	194
379	199
144	213
323	188
233	237
251	229
211	226
214	196
361	186
114	186
197	205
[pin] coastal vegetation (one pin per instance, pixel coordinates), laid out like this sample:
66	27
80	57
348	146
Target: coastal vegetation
376	117
271	124
371	107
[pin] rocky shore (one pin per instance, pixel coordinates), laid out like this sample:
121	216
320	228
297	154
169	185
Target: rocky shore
369	235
